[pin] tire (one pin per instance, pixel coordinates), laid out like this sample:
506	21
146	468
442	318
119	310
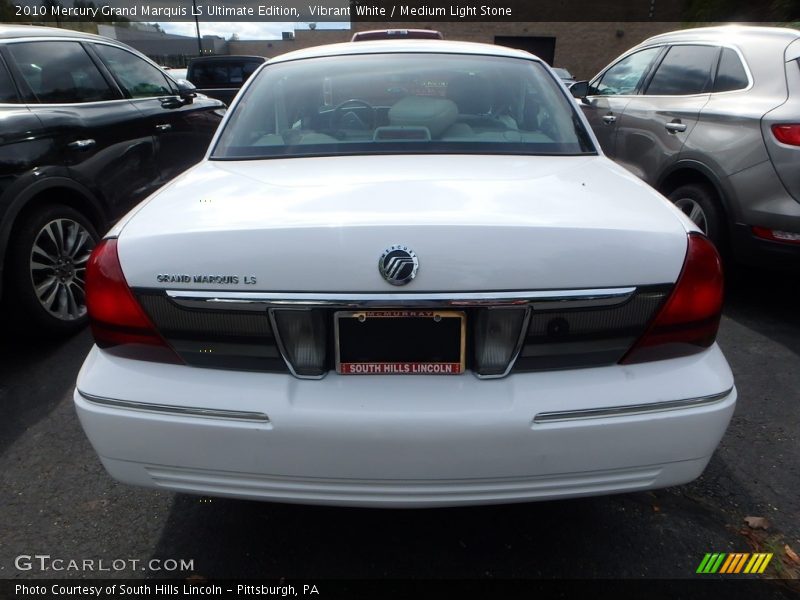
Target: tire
700	204
45	270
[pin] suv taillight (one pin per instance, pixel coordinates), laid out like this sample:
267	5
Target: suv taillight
776	235
787	133
119	324
688	321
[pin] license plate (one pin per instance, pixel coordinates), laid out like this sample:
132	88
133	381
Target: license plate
399	342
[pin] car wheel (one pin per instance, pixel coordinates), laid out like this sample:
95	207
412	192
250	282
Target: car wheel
47	267
699	203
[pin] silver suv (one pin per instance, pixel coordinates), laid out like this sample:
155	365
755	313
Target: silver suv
711	118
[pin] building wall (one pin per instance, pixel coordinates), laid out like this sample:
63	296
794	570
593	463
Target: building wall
304	38
583	48
153	44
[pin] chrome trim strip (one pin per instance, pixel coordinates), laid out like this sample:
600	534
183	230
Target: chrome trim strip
238	415
633	409
261	300
538	300
75	104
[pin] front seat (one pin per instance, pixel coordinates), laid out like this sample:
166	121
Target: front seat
471	93
474	97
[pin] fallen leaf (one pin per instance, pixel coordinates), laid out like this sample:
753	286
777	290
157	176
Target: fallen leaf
791	554
757	522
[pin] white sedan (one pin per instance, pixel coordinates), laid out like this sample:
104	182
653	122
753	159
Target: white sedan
405	275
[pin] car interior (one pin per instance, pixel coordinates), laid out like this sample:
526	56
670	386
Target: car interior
453	101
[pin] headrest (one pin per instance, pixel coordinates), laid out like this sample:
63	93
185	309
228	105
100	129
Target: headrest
437	114
472	94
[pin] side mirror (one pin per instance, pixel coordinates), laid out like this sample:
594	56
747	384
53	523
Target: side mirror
186	90
579	89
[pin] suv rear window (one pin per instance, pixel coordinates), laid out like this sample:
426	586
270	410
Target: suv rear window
403	103
685	70
60	72
730	74
221	74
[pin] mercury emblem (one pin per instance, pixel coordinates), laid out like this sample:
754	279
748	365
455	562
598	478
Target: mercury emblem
398	264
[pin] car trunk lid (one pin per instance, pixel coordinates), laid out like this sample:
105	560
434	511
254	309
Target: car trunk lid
476	223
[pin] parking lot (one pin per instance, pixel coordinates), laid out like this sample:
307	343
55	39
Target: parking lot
58	500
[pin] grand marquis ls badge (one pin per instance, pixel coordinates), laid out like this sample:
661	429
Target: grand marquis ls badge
398	264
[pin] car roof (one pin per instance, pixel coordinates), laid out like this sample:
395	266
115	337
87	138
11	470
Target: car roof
20	31
728	34
227	57
400	46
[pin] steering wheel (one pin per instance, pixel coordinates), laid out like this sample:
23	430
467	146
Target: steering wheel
340	111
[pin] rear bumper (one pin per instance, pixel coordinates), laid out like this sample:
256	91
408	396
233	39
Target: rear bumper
759	198
407	441
751	250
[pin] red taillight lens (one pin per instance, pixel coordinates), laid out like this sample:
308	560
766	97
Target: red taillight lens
776	235
119	324
688	321
787	133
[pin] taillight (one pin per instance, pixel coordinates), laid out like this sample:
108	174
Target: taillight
119	324
688	321
776	235
787	133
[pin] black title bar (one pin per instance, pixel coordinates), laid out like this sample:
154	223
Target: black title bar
405	11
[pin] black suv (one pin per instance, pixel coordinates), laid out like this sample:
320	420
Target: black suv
221	77
89	128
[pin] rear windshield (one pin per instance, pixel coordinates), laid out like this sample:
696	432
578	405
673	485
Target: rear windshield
395	103
221	74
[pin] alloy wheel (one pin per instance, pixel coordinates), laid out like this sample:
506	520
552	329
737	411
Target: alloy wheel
694	211
58	260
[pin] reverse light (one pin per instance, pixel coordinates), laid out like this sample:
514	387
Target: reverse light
688	321
787	133
776	235
497	337
301	335
119	325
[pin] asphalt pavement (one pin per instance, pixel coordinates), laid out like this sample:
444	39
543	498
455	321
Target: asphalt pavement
56	499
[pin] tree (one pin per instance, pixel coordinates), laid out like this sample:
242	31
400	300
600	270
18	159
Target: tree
7	12
50	5
701	11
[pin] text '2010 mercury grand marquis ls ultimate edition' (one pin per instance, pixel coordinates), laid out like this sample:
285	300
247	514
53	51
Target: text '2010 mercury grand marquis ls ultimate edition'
405	276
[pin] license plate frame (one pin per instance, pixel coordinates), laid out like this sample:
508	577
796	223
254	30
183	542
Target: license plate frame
453	323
